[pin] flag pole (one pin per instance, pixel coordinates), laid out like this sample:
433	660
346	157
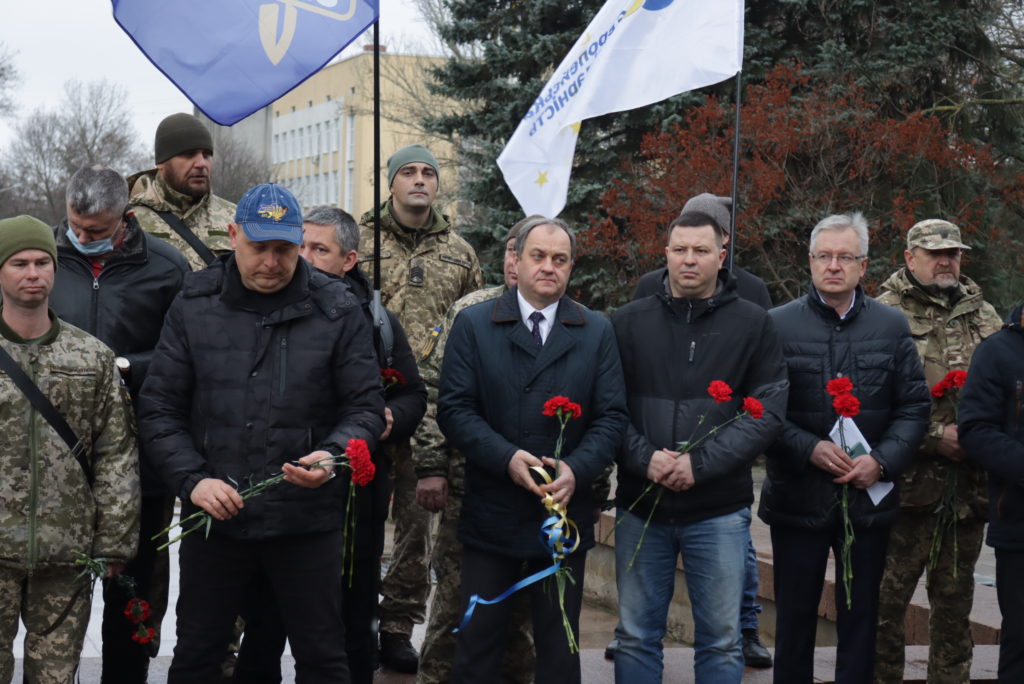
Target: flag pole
377	310
735	174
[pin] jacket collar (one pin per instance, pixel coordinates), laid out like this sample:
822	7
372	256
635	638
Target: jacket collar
827	312
692	308
903	285
149	189
439	225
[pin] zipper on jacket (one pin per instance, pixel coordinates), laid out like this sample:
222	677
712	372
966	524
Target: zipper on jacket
693	348
94	306
1018	390
282	375
33	494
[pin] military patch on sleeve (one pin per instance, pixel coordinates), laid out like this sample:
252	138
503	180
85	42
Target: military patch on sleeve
428	346
464	263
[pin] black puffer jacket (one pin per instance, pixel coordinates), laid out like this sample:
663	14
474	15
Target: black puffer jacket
873	347
671	350
748	286
234	394
125	305
992	428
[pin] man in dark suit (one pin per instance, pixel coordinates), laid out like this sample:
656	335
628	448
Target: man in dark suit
504	359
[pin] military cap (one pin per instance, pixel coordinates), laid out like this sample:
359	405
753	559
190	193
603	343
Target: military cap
934	234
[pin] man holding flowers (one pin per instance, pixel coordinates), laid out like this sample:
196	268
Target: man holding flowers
943	504
689	356
503	361
265	366
846	355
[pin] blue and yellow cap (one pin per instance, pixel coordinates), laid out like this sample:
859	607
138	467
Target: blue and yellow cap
270	212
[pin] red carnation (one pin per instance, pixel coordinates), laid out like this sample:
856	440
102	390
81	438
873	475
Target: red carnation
137	610
939	389
839	386
363	468
391	376
720	391
957	378
846	405
754	407
143	635
559	405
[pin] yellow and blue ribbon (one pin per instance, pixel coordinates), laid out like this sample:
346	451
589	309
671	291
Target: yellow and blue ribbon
558	533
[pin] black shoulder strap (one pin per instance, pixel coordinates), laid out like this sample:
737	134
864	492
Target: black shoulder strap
46	409
188	236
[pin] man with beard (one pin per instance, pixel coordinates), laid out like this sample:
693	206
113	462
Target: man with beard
943	507
174	201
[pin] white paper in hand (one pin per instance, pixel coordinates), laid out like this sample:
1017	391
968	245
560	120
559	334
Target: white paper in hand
858	446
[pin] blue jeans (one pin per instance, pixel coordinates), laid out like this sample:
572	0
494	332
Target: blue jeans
750	607
714	555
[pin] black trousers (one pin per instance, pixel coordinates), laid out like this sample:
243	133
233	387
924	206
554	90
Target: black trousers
1009	570
302	574
259	658
125	661
480	646
800	560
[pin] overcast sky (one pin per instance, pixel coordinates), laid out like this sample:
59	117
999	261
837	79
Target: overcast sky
58	40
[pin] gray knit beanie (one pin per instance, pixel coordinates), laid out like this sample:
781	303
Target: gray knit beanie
714	206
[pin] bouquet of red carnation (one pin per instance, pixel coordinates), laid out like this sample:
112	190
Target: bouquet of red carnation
720	392
391	377
137	611
847	406
946	515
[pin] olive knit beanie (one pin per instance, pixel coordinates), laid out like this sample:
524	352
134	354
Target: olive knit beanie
25	232
180	133
408	155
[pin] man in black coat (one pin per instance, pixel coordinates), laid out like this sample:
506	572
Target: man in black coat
116	282
330	243
264	366
838	331
673	346
992	433
504	360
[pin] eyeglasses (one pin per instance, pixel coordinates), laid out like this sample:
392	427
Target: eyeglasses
843	259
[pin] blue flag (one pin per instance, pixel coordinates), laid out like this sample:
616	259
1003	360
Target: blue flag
232	57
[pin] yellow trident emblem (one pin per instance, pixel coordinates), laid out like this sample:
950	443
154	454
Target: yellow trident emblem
272	211
270	13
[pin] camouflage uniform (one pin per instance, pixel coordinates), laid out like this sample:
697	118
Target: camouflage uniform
208	218
423	272
433	457
946	332
48	510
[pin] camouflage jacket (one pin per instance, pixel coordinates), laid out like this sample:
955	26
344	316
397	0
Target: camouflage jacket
422	272
431	454
47	508
946	336
208	218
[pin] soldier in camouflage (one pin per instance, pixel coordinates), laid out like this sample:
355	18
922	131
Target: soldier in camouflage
425	268
180	185
49	508
441	473
942	498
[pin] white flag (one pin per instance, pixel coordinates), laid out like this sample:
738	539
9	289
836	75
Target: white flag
633	53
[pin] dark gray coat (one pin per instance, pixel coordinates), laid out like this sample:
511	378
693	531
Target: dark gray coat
494	382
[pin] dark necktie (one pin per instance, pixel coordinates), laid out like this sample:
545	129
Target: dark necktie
536	317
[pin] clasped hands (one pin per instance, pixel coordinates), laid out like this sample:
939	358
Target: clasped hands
561	489
861	472
671	469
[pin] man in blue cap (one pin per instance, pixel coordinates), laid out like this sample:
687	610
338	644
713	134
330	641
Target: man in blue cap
264	366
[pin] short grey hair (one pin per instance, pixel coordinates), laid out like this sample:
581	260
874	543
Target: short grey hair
531	223
855	222
97	189
346	233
